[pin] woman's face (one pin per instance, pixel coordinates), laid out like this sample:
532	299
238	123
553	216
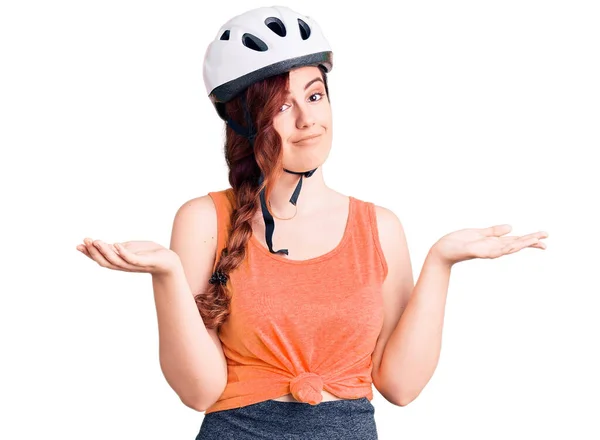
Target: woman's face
306	113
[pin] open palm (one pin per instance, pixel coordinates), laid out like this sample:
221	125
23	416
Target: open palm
491	242
131	256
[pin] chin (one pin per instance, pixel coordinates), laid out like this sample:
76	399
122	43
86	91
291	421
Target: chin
306	157
306	165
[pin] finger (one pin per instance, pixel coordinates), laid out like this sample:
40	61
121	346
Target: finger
83	249
523	239
533	240
540	245
496	231
539	235
129	257
518	245
514	238
112	256
509	238
97	256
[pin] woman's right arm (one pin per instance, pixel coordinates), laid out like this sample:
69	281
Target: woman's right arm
191	356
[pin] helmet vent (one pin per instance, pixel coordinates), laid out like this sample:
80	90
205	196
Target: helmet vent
304	29
276	25
225	35
254	43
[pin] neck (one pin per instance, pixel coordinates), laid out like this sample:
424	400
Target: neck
314	194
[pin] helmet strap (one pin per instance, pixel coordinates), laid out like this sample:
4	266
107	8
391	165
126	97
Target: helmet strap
250	133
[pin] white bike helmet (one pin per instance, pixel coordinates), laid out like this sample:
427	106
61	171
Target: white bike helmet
250	47
260	43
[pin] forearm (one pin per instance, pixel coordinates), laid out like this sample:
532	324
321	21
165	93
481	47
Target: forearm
190	361
413	349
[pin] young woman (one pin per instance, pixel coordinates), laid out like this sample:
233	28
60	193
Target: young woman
300	321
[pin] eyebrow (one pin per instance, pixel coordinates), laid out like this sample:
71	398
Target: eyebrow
312	81
308	84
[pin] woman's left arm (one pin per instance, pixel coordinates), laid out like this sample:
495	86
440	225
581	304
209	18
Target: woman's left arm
409	346
412	351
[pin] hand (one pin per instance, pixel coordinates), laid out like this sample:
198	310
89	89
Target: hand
131	256
467	244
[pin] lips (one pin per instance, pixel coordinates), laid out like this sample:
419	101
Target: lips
307	138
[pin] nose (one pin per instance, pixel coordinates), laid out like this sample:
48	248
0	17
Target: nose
305	117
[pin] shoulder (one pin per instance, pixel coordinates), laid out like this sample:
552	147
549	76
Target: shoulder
389	227
196	220
197	227
388	233
388	224
199	209
194	239
392	239
203	207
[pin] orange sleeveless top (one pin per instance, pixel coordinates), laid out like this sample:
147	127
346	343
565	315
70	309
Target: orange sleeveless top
301	326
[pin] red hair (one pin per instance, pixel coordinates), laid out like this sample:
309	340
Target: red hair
264	100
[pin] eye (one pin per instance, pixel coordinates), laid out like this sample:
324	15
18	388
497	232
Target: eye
319	94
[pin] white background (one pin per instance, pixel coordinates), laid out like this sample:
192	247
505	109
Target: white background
452	114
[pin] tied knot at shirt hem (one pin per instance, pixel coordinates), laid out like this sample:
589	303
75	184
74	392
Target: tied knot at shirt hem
307	387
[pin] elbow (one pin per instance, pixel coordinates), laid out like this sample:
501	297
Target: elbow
398	401
201	402
393	390
198	405
404	401
392	395
400	398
